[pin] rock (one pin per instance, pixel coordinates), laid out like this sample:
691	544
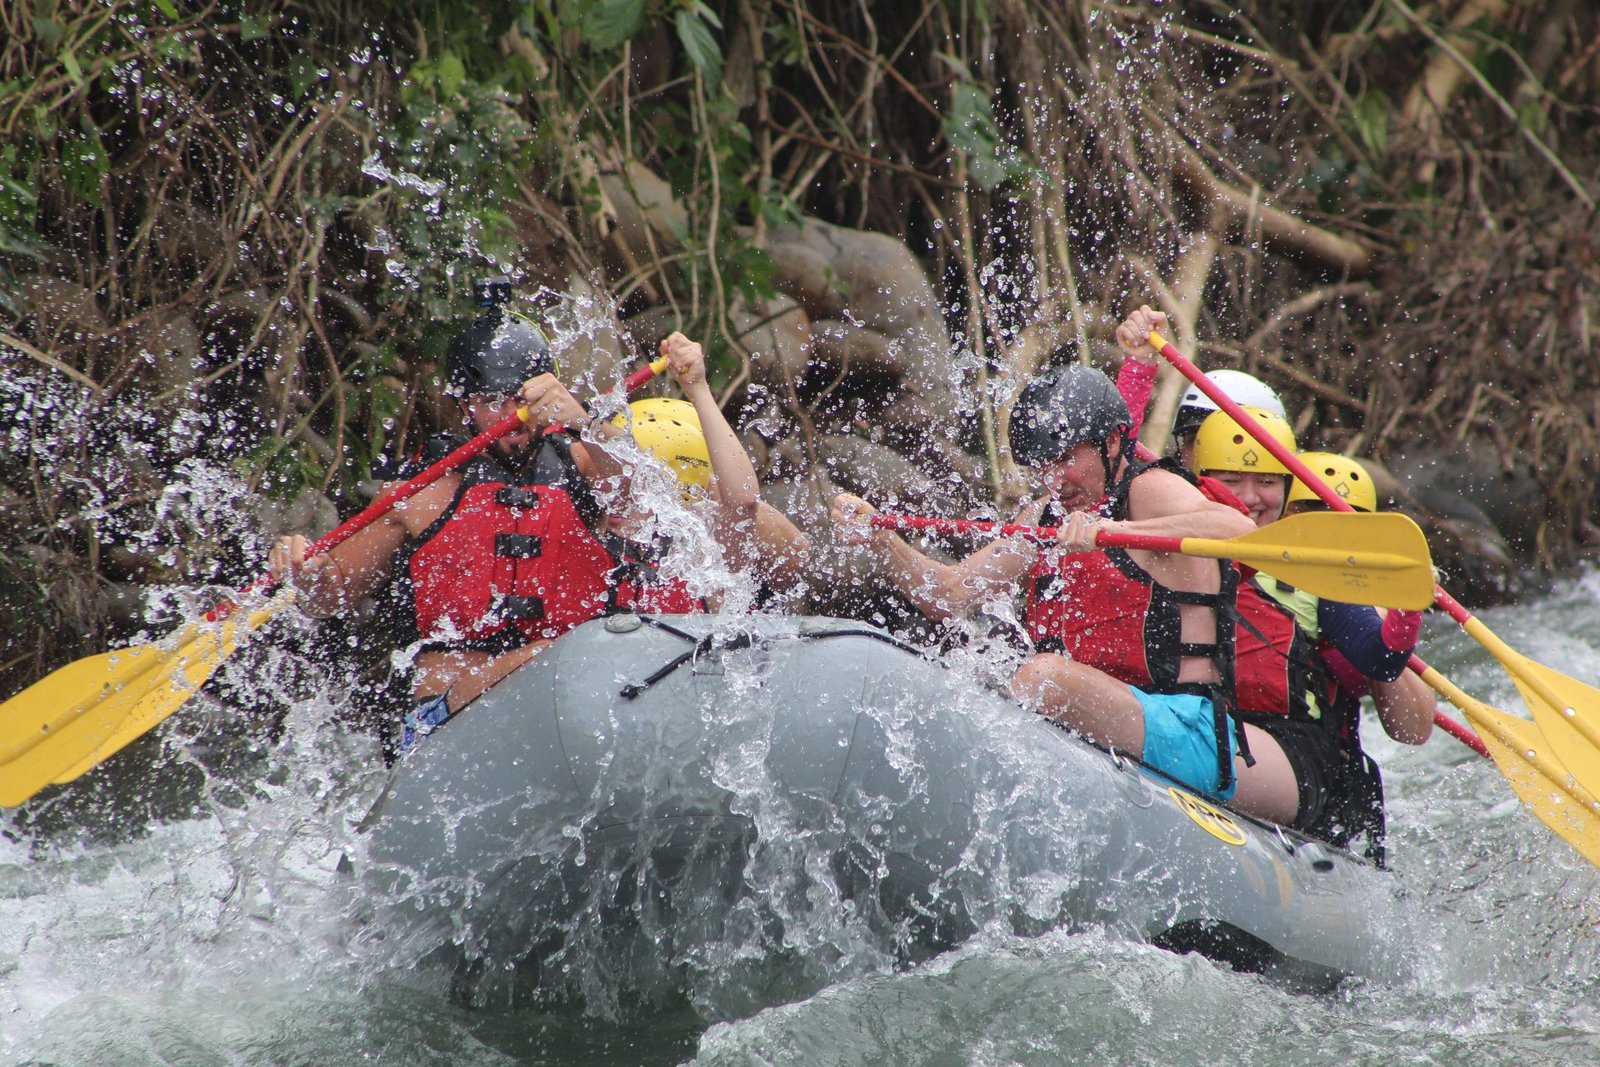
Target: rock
170	348
780	338
859	358
309	513
64	312
1481	518
187	237
805	274
587	338
345	310
121	603
649	220
888	479
885	289
1475	483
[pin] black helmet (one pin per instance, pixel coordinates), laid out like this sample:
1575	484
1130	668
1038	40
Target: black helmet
499	351
1063	407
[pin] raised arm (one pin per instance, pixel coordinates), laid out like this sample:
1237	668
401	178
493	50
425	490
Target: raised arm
733	477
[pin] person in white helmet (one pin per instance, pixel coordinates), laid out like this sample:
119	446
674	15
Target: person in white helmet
1243	389
1136	381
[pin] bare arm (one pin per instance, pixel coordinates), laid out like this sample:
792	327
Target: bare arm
1168	506
336	580
1405	707
939	590
549	403
733	477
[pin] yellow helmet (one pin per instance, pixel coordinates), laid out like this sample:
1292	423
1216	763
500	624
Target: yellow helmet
1223	445
1344	475
670	431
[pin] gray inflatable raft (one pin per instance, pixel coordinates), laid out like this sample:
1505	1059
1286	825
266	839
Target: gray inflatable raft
716	789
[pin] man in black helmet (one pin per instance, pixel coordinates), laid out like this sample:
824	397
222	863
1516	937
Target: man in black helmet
1133	648
502	555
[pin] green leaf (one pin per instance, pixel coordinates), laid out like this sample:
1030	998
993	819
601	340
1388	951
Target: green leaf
84	164
451	72
609	23
252	28
700	46
1531	116
168	8
75	72
1370	120
302	75
48	31
700	9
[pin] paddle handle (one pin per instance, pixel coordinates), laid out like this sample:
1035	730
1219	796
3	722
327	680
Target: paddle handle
644	374
412	486
1324	492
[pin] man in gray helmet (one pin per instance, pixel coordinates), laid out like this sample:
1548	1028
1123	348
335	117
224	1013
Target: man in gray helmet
1132	648
489	564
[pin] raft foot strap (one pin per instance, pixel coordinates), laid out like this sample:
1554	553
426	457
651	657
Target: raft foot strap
701	647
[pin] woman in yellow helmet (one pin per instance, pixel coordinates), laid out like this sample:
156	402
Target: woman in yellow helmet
693	440
1224	451
1404	703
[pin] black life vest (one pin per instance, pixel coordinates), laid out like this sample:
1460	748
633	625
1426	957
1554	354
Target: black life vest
1104	610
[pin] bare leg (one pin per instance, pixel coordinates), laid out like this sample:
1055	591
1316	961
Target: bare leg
466	674
1268	790
1090	701
1106	712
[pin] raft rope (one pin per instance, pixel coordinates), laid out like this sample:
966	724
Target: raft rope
708	643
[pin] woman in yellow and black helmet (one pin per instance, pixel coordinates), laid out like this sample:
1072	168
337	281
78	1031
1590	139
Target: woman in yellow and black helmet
1404	703
1224	451
693	440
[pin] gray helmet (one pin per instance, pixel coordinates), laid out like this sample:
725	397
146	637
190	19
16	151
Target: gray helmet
1063	407
499	351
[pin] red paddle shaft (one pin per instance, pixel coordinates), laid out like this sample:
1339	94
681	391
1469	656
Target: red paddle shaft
1102	538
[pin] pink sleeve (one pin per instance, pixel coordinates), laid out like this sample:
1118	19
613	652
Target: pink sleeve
1400	630
1345	673
1135	381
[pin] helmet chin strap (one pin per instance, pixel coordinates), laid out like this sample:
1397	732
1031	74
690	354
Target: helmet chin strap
1124	453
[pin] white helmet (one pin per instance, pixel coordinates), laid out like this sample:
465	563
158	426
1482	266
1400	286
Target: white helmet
1243	389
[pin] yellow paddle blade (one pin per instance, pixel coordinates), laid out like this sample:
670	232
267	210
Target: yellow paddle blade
1357	558
82	714
1567	710
1524	755
1542	783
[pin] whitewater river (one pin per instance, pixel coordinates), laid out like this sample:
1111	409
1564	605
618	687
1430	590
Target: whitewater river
229	936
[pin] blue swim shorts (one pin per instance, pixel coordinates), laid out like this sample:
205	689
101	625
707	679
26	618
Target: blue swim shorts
1180	740
426	716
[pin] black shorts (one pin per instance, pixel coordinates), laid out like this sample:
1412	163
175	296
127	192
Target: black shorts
1316	757
1341	789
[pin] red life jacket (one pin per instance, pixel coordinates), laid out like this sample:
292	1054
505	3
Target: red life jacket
1104	610
1277	669
510	563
